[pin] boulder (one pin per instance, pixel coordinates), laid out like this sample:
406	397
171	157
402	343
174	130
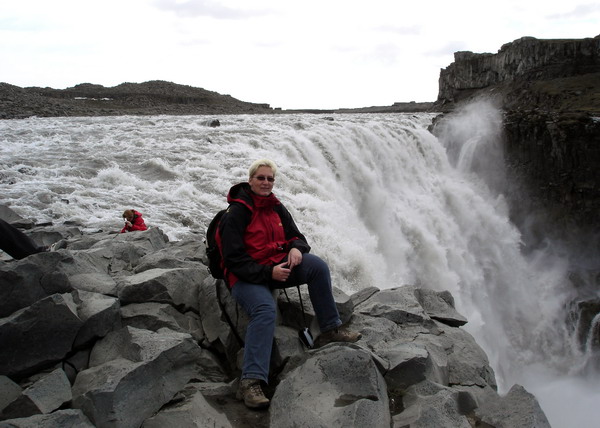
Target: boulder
26	281
518	408
88	270
44	396
154	316
467	362
68	418
182	254
292	305
193	412
440	306
432	405
99	314
396	304
50	326
9	215
335	386
224	323
9	391
135	372
178	287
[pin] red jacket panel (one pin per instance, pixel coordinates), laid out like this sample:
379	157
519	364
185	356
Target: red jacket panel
136	224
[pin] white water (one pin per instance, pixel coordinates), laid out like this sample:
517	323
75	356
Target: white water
378	196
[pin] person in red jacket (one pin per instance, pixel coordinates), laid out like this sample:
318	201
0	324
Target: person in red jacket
263	249
133	221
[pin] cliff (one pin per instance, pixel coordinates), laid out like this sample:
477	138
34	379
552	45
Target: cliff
549	74
549	91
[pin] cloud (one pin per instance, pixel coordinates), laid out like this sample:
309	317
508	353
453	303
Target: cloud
448	49
580	11
208	8
412	30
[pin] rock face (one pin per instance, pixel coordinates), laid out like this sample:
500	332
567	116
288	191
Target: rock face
149	98
525	60
161	345
549	91
554	158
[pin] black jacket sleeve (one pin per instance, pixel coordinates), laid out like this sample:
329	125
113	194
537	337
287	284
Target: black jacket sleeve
232	228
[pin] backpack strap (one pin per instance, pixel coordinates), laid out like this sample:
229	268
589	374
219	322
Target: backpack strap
301	304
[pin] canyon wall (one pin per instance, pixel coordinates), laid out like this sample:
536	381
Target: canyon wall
549	91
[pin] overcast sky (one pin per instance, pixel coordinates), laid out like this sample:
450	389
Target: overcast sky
309	54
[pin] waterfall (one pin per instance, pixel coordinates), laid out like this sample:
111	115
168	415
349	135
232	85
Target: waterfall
384	201
554	353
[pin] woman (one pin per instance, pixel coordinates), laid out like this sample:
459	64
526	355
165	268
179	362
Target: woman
263	249
133	221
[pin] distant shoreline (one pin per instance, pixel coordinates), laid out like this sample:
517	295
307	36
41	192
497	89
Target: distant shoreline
150	98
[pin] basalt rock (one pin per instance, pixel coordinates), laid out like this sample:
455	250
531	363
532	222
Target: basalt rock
164	356
550	145
524	72
548	91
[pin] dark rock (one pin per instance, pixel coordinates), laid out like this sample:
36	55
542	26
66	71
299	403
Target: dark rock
163	346
548	92
44	396
555	156
513	69
69	418
29	280
50	326
148	98
213	123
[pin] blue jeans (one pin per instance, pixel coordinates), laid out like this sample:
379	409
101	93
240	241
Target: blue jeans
257	300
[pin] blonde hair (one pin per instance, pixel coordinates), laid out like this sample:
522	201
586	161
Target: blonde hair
262	162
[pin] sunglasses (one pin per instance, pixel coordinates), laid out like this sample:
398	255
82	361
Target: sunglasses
263	178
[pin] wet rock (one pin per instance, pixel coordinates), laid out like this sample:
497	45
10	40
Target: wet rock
517	409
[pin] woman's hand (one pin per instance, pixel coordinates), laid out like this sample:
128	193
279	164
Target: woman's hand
281	272
294	258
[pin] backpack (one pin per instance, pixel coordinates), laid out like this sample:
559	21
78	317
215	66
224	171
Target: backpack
215	261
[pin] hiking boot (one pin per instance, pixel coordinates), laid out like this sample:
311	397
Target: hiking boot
337	335
252	394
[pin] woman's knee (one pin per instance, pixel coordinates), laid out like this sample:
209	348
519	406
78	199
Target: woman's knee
265	311
316	264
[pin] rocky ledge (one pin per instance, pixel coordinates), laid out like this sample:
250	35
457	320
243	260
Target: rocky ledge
130	330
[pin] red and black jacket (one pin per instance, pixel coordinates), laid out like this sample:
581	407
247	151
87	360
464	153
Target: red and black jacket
136	224
256	233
